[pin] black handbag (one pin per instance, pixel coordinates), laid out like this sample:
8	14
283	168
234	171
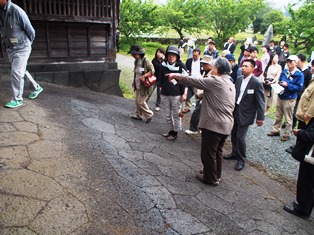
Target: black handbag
302	148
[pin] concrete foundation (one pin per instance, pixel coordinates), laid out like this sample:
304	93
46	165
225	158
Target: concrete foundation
97	76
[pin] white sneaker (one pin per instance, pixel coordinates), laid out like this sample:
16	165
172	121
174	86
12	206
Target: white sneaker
157	108
188	132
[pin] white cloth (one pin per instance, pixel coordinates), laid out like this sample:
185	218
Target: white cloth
196	69
244	83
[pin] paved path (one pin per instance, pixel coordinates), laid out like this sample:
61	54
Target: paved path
73	162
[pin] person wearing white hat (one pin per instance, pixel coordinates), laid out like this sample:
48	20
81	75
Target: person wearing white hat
292	80
207	62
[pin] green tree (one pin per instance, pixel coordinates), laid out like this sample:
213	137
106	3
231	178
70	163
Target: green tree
183	15
228	17
299	28
272	17
258	18
137	17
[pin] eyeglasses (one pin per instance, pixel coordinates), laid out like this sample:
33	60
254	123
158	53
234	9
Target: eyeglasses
289	61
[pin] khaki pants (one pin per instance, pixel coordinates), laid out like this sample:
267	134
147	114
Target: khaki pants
142	108
284	108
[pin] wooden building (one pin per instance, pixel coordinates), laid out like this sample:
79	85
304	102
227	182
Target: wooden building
74	39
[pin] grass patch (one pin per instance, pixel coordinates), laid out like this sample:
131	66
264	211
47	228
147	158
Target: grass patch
126	79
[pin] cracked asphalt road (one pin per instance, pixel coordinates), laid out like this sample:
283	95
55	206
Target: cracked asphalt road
73	162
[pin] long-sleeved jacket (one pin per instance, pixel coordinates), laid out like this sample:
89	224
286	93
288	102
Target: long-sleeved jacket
306	103
252	103
214	54
295	84
217	104
168	88
17	31
148	67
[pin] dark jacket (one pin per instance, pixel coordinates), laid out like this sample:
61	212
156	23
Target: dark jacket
158	69
234	72
231	49
168	88
307	78
252	103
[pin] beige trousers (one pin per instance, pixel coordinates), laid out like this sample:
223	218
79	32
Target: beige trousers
284	108
142	108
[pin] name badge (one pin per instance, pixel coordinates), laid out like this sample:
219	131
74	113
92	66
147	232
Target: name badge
250	91
14	40
142	69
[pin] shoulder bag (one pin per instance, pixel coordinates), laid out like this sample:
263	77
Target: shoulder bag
149	81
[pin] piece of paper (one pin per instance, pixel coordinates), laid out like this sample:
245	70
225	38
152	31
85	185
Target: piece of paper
277	88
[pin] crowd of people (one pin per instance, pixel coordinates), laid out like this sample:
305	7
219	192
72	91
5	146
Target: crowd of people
231	96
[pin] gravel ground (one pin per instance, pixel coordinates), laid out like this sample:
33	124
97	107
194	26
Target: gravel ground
264	152
269	152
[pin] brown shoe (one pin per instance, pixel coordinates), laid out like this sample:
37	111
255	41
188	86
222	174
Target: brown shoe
185	110
148	120
201	179
274	133
136	117
285	138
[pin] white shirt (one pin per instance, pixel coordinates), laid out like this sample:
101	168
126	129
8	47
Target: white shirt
244	83
196	69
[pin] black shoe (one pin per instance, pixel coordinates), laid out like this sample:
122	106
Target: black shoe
167	134
239	166
230	157
290	209
290	149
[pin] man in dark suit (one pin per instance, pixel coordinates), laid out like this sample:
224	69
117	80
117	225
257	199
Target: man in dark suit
194	68
230	46
250	102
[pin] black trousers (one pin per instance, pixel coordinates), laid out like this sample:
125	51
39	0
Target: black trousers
158	97
195	117
211	154
305	189
238	138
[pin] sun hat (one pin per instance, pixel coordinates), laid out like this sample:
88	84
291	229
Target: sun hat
207	59
173	50
136	50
